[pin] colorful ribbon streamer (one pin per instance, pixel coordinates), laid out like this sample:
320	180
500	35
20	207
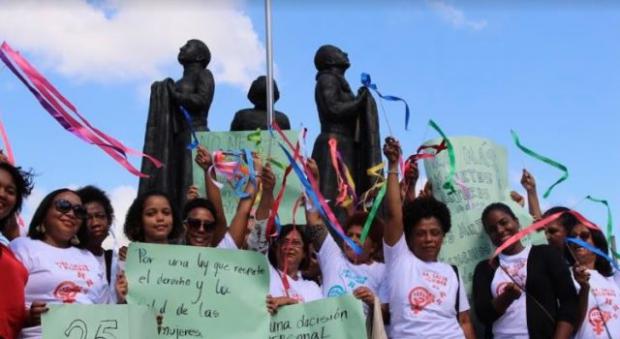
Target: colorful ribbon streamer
367	82
544	159
449	185
593	250
52	101
7	144
255	137
188	119
610	224
311	189
346	185
373	172
540	224
372	214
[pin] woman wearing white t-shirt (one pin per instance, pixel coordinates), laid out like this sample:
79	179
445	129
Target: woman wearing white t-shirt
599	293
427	299
60	270
288	253
527	291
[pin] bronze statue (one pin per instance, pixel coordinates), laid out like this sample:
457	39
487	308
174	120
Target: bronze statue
352	120
250	119
168	132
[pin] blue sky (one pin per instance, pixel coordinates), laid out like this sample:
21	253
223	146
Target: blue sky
551	72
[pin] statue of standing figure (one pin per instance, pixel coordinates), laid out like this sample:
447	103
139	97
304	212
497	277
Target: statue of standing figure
250	119
168	131
350	119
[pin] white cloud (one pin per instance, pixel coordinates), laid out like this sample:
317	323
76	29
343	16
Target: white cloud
455	16
132	40
121	198
30	205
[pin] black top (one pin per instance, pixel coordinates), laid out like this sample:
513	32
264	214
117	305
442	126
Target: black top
548	281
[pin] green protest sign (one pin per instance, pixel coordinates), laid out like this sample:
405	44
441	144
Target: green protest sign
481	166
341	318
234	141
73	321
201	292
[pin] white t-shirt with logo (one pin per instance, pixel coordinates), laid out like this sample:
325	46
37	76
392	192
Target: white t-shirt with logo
227	243
422	295
603	314
341	277
513	323
59	275
302	290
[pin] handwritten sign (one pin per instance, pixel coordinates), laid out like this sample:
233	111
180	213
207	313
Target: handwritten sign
74	321
238	140
201	292
341	317
482	166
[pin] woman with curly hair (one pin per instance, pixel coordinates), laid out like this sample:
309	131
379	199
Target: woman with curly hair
427	298
15	185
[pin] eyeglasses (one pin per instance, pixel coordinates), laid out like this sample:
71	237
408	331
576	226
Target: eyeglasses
195	224
65	206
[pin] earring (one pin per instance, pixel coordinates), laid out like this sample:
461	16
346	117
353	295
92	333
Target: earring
41	229
75	241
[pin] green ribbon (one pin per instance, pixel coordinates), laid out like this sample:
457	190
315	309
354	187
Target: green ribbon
276	163
449	184
373	213
610	223
544	159
255	137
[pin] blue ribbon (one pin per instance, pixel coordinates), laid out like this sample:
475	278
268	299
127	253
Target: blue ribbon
368	84
315	200
188	119
593	250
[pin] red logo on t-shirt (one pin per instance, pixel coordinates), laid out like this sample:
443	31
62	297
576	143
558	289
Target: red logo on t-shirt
66	291
419	298
597	319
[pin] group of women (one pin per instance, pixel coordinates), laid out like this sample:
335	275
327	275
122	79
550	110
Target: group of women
541	291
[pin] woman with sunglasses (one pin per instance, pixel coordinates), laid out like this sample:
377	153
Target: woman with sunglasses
427	298
599	292
15	185
60	270
527	291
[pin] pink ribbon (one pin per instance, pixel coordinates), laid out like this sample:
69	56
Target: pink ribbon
540	224
52	101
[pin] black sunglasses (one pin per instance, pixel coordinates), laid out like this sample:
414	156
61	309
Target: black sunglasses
65	206
196	223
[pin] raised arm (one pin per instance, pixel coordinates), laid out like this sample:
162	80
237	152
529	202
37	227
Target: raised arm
394	214
205	160
315	228
240	221
258	239
528	182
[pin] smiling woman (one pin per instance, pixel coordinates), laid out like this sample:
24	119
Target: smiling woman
60	270
527	291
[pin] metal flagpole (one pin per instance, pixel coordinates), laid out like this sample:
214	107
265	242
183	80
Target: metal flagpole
269	70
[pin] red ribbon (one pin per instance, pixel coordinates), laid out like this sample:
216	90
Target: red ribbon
331	218
52	101
540	224
346	192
